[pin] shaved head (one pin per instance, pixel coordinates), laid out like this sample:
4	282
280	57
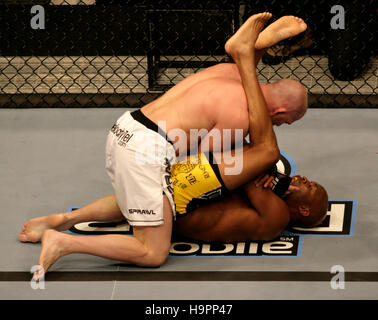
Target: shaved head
286	100
294	96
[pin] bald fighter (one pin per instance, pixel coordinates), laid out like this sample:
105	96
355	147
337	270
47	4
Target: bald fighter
142	189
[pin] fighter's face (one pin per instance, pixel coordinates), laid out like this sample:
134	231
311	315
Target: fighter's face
307	194
305	190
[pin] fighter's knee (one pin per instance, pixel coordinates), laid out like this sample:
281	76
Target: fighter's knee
272	154
276	155
152	257
156	258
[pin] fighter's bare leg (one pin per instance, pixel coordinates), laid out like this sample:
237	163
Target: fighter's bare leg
263	151
149	246
290	25
104	209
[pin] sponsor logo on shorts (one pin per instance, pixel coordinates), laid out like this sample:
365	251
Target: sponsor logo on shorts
167	178
142	211
123	135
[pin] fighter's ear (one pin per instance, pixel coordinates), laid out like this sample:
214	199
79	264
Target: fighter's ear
304	210
278	110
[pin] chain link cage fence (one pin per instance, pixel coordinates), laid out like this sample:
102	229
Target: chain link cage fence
107	53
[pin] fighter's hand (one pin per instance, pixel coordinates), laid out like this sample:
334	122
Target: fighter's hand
264	180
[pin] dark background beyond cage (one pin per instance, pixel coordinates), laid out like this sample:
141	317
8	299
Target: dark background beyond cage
108	53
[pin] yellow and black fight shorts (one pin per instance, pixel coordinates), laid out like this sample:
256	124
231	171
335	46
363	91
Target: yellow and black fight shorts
196	181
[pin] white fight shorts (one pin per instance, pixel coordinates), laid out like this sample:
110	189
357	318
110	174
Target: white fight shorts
138	161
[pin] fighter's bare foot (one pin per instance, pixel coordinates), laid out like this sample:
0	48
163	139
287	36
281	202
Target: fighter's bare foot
53	248
285	27
32	231
243	41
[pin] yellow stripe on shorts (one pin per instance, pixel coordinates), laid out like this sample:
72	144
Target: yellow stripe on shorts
192	178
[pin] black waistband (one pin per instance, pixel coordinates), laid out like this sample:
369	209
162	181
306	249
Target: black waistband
214	166
140	117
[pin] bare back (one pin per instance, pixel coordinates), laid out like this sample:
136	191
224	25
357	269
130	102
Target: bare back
224	220
213	98
248	213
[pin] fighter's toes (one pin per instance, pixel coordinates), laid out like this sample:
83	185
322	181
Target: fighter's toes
258	21
283	28
27	235
22	237
245	38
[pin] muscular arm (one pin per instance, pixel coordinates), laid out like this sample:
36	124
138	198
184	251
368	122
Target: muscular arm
272	212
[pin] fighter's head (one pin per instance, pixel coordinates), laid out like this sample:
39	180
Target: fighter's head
308	202
286	101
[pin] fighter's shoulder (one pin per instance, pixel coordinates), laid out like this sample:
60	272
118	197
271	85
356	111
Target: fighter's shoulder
270	214
228	70
217	90
224	88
